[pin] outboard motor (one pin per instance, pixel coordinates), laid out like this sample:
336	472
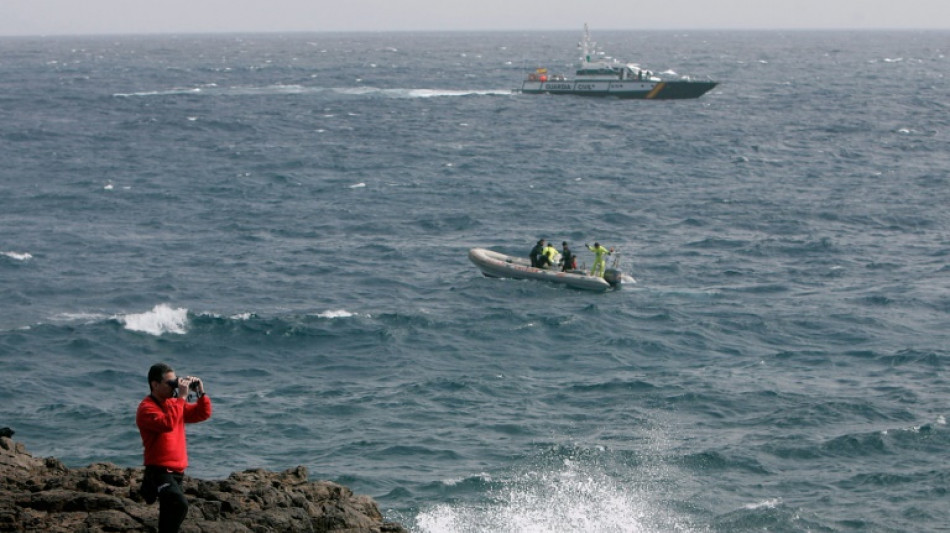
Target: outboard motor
614	277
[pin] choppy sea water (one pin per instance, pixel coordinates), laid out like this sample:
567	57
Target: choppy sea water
288	217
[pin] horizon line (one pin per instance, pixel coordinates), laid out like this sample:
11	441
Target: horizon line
159	33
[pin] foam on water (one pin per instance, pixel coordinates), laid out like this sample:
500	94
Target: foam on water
82	317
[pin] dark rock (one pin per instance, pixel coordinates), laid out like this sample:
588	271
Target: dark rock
44	495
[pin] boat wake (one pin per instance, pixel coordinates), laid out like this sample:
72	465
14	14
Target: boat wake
421	93
283	90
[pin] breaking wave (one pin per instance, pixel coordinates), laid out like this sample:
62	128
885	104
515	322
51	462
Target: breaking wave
160	320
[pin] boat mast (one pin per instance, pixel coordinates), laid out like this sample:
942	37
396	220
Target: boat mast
586	45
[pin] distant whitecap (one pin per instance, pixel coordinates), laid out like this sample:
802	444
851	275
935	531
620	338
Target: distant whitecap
17	256
766	504
338	313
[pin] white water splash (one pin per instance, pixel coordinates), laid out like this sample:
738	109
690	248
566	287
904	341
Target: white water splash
575	498
161	319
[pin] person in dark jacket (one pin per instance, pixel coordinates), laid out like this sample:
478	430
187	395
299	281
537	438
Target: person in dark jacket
535	254
568	259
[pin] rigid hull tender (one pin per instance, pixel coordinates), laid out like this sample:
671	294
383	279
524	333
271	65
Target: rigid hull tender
498	265
599	77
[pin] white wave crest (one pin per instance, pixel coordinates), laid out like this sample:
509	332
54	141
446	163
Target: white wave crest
338	313
17	256
161	319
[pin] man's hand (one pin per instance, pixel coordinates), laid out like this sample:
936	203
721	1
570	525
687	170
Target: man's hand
199	386
183	384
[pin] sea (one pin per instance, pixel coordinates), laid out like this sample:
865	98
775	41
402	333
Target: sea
288	217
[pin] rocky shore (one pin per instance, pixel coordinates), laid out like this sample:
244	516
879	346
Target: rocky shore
45	495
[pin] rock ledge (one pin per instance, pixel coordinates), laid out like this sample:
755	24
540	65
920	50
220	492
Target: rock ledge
44	495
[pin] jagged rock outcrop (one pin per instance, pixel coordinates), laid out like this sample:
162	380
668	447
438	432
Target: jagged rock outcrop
44	495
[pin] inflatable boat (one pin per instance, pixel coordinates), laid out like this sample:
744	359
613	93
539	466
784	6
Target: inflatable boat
499	265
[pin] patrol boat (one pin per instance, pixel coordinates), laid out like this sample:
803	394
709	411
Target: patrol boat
599	77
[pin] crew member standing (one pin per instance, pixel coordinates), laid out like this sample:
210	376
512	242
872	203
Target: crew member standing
599	253
161	418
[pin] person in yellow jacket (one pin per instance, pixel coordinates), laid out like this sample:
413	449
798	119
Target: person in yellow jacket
599	253
548	256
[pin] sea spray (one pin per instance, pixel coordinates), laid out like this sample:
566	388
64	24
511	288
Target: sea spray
579	494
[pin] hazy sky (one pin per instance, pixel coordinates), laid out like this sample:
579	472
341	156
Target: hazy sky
56	17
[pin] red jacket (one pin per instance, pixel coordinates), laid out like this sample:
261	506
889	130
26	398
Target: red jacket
162	425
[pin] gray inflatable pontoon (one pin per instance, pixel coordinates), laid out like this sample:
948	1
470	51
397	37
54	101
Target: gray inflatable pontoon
498	265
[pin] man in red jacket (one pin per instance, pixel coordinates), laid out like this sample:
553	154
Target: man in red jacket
161	418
